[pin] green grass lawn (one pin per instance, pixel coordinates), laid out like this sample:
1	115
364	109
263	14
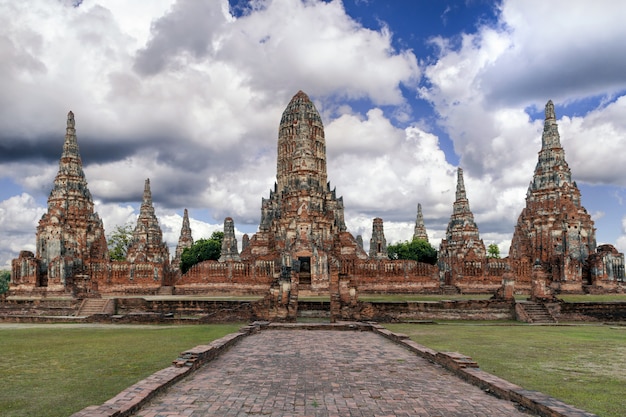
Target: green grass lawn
56	370
583	365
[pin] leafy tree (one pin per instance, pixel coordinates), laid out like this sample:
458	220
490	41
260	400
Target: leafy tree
118	242
202	250
493	251
5	278
418	250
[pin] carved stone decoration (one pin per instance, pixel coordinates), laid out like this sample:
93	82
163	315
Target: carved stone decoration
462	253
419	232
378	243
70	234
184	241
147	244
229	244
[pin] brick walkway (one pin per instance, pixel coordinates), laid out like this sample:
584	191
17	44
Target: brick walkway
323	373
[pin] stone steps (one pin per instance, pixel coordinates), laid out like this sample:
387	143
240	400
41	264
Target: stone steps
91	306
538	313
166	290
449	290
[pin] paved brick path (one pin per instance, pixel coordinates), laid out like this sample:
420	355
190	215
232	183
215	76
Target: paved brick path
323	373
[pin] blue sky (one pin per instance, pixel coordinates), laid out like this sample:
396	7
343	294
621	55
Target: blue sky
189	94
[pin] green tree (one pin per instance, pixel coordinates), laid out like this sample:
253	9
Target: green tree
118	242
5	278
417	250
493	251
202	250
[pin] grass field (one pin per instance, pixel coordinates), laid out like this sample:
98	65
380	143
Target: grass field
583	365
56	370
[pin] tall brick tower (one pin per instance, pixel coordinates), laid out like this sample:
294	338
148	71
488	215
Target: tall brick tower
147	244
554	230
302	222
462	253
419	232
185	240
70	236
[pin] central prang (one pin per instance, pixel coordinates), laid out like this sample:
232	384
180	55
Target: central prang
303	218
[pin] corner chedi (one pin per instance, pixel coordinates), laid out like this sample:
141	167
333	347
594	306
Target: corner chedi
146	244
70	235
463	264
554	233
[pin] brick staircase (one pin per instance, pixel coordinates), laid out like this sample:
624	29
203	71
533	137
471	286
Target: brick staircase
449	290
166	290
91	306
537	313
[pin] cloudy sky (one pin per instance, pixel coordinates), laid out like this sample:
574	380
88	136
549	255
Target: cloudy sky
189	93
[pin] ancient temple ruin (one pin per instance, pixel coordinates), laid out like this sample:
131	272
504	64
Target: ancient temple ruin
302	245
554	233
419	232
302	222
70	235
462	259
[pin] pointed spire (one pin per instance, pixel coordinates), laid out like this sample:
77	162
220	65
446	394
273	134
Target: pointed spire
461	225
460	185
461	204
301	145
70	147
420	229
184	241
71	227
71	175
147	194
551	169
550	138
147	242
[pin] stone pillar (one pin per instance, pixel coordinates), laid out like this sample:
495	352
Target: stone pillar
539	287
508	286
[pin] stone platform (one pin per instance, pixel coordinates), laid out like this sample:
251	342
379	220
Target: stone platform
317	370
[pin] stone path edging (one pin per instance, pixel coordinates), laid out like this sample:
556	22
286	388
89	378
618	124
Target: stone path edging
134	397
468	370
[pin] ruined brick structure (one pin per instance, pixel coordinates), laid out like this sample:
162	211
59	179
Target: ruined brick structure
229	244
302	245
146	244
554	232
302	222
70	235
72	256
462	259
378	243
184	241
419	232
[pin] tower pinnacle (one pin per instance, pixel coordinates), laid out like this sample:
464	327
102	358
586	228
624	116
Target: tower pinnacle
420	230
301	145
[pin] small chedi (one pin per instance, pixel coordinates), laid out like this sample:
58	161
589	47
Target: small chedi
302	245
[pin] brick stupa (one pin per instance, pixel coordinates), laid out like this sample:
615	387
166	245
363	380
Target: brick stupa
70	235
462	252
554	232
